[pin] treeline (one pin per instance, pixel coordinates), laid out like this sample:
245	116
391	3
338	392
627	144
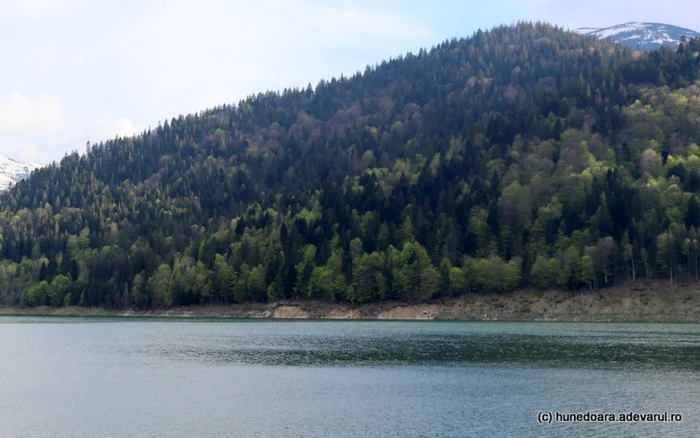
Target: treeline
523	156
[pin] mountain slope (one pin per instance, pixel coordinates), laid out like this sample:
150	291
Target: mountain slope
522	156
11	171
642	36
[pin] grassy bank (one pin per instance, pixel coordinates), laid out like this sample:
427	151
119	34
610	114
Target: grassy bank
640	301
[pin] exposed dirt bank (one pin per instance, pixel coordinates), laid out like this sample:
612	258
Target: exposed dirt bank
641	301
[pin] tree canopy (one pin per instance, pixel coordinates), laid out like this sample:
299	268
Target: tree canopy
522	156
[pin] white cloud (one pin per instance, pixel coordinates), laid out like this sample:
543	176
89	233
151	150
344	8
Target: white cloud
49	56
29	154
21	114
121	127
195	55
602	13
22	151
354	27
35	8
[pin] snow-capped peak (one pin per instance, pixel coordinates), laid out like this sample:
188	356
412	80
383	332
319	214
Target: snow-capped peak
11	171
642	36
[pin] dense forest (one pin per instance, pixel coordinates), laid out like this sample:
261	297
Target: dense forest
525	156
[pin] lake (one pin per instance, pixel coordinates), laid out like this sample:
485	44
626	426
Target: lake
114	377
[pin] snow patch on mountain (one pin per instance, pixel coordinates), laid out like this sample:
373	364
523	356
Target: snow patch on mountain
642	36
12	172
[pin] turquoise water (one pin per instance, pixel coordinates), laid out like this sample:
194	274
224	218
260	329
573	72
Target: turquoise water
87	377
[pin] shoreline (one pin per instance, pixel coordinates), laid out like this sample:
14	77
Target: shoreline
631	302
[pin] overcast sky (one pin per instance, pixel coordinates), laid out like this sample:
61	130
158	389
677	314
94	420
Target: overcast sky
74	71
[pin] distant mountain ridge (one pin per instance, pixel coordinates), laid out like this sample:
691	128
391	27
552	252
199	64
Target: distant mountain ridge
642	36
12	171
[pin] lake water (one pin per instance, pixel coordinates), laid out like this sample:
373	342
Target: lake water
95	377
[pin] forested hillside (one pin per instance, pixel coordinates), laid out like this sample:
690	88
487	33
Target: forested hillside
523	156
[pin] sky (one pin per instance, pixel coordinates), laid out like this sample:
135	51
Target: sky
73	71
